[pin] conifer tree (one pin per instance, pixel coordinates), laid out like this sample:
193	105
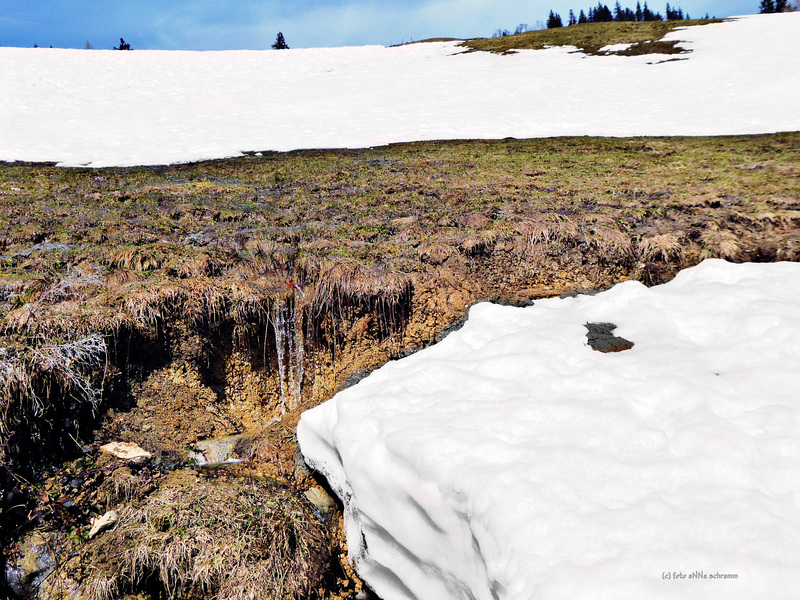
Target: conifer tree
554	21
649	15
767	6
780	5
602	14
280	43
582	18
638	12
123	45
572	19
674	14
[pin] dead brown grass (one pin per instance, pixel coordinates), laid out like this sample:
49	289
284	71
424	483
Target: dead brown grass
137	258
664	247
234	539
719	242
336	247
37	384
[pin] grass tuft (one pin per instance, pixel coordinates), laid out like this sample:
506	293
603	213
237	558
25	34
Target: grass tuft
234	539
663	247
38	384
720	243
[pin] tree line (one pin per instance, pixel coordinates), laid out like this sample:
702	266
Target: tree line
602	14
773	6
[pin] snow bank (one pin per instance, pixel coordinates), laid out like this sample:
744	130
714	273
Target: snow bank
510	461
104	108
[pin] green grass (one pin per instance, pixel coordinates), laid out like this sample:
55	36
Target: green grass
591	37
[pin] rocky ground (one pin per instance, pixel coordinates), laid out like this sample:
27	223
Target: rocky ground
167	306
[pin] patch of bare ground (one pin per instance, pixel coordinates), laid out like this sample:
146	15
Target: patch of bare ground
164	306
643	37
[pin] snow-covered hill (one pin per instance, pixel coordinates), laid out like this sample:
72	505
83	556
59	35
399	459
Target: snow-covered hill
513	462
103	108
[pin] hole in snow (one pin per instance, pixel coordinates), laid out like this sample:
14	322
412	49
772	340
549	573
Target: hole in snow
602	338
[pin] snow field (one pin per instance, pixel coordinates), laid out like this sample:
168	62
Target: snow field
110	108
511	461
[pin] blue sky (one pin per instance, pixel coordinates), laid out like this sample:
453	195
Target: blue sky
253	24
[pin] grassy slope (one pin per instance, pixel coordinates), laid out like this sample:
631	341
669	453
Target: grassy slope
380	207
591	37
83	250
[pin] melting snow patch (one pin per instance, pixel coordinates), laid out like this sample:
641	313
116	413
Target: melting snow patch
511	461
615	48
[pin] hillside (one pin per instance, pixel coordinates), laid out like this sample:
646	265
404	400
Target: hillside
170	302
644	37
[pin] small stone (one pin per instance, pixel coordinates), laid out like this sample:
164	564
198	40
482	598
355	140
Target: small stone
102	523
126	451
321	500
216	451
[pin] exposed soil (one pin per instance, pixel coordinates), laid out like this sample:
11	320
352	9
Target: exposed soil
202	283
